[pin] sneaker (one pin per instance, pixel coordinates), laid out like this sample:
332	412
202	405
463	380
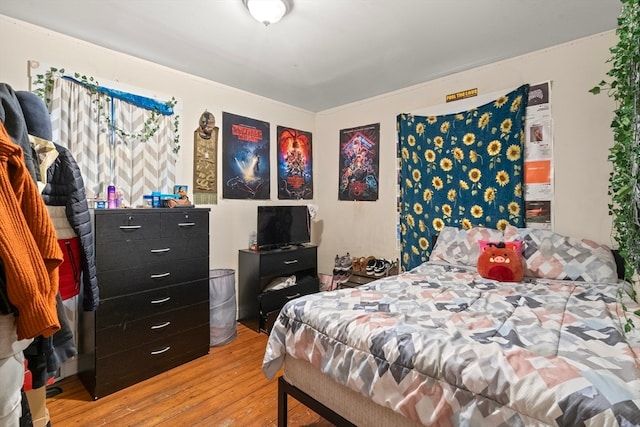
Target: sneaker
371	266
382	267
343	263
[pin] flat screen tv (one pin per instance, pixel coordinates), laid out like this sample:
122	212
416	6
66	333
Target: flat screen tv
282	226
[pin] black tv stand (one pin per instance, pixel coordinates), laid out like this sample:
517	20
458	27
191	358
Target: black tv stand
258	308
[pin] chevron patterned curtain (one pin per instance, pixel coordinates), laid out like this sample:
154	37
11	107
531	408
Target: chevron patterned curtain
460	170
135	167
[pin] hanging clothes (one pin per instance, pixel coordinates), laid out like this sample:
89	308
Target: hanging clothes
28	246
63	192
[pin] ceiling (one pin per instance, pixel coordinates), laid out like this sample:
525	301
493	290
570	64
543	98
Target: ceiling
324	53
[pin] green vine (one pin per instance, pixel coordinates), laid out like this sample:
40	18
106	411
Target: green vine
624	186
43	84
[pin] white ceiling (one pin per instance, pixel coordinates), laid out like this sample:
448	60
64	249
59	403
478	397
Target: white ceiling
324	53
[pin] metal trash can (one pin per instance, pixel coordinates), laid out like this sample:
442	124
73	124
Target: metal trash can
222	306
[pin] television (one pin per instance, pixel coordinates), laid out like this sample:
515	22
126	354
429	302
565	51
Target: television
282	226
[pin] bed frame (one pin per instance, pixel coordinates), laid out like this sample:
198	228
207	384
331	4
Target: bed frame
285	389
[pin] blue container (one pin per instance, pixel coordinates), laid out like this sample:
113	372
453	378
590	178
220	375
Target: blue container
155	199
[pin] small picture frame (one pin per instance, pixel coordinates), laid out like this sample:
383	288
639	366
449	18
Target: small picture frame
181	190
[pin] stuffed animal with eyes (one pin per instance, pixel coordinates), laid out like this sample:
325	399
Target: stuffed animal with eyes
501	261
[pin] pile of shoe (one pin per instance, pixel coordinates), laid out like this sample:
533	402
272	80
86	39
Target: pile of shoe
360	264
342	269
378	267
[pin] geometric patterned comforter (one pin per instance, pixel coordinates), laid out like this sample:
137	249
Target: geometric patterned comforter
443	346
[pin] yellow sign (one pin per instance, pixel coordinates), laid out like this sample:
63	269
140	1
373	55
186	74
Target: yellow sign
463	94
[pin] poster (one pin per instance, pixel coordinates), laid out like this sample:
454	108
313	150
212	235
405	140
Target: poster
359	170
538	158
245	152
295	178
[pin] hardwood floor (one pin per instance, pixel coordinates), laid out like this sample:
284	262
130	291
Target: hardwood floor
224	388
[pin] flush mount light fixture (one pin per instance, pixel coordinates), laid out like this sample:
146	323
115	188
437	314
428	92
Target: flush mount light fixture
268	11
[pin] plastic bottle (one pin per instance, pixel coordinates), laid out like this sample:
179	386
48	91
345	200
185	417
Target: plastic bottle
111	197
119	199
155	199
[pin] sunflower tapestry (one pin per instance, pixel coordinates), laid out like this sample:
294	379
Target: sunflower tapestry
460	170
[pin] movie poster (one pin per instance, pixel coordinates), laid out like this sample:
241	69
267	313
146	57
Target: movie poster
295	180
359	149
245	153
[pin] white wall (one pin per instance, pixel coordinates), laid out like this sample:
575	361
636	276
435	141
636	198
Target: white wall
581	127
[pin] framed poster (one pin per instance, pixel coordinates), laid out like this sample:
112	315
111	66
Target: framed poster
359	150
245	153
295	178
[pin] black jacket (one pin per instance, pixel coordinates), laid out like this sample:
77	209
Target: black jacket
65	187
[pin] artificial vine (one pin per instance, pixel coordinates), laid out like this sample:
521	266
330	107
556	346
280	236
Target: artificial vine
44	88
624	184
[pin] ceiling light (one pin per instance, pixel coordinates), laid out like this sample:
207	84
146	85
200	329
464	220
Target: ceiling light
268	11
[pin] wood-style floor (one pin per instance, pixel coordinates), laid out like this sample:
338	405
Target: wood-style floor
224	388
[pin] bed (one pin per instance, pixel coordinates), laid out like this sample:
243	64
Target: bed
441	345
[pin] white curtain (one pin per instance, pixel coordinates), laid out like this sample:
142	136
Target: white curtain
104	157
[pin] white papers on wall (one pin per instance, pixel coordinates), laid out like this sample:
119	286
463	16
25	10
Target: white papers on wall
538	158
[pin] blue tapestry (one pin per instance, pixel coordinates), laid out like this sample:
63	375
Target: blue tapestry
460	170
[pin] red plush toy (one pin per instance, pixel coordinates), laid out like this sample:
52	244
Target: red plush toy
501	261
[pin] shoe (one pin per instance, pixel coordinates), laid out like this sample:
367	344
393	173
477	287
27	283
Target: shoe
382	267
356	264
337	278
343	263
341	276
347	262
371	264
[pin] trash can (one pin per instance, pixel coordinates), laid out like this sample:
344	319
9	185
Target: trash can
222	306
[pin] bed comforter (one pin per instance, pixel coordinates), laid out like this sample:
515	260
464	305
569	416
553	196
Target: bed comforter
443	346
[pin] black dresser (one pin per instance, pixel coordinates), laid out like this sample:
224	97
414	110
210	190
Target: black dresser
153	273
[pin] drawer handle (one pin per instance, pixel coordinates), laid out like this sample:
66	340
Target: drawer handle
186	224
293	296
153	353
159	251
164	325
130	227
160	301
293	261
160	276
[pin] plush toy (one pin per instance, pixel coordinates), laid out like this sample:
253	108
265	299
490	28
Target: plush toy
501	261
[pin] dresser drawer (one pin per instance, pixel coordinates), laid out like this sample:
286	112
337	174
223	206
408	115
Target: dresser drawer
185	224
133	333
118	255
274	300
283	263
132	365
122	225
115	283
116	311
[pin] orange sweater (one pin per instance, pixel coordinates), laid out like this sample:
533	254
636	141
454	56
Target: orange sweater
28	245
